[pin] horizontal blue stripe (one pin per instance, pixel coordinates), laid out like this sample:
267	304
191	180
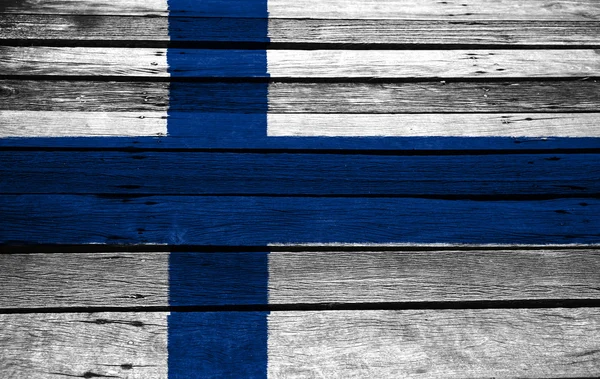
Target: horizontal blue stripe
246	136
165	173
259	221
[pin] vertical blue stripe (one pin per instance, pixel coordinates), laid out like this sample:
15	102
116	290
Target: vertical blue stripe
218	344
198	279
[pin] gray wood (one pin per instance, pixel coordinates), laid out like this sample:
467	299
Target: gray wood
84	280
398	276
147	62
111	28
123	280
531	343
86	96
433	63
335	9
77	61
84	345
82	124
460	97
433	124
524	343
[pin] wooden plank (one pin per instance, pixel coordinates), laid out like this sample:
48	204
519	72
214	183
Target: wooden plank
432	63
336	9
399	276
445	31
195	173
146	62
111	29
78	61
259	221
82	124
85	345
430	97
57	280
434	125
434	97
208	130
432	9
125	280
247	131
97	7
528	343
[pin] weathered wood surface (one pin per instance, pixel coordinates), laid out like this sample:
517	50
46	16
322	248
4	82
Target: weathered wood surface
103	280
434	125
258	221
152	63
544	343
82	124
192	173
431	276
431	97
241	129
128	280
84	345
529	343
122	30
583	10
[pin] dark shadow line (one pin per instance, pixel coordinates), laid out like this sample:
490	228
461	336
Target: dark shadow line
374	306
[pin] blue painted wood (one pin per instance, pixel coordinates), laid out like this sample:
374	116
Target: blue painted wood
217	345
218	278
258	221
298	174
206	134
219	8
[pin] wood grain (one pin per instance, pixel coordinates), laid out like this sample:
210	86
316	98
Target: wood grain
398	276
82	124
193	173
84	280
146	62
125	280
135	30
530	343
335	9
78	61
86	345
431	97
259	221
432	63
434	125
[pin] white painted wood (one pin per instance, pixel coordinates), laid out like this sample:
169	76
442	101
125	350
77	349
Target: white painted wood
489	343
58	346
84	280
309	277
94	7
428	125
83	61
528	343
340	9
82	124
122	280
146	62
432	63
434	9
